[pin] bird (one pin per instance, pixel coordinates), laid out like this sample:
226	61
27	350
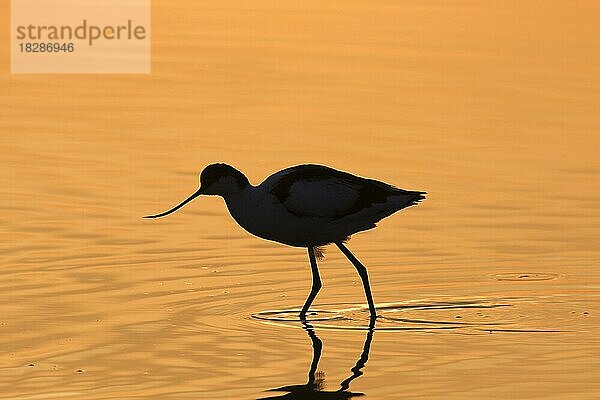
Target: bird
308	206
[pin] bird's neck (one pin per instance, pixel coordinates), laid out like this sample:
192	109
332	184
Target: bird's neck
238	201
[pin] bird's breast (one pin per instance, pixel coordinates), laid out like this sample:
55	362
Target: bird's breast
267	218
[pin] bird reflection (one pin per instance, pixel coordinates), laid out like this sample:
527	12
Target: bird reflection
315	387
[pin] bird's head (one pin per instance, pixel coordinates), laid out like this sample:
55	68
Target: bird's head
222	180
216	179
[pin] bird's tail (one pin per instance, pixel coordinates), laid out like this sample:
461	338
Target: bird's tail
411	198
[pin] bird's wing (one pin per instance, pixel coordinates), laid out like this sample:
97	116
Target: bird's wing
319	191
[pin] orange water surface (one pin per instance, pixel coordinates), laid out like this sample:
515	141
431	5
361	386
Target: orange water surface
488	289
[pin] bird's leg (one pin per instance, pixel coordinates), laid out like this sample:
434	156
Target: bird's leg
362	271
316	283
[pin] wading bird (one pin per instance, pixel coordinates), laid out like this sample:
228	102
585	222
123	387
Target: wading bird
306	206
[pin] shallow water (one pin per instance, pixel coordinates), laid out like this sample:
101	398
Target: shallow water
490	288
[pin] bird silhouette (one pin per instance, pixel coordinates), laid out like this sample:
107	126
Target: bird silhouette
306	206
